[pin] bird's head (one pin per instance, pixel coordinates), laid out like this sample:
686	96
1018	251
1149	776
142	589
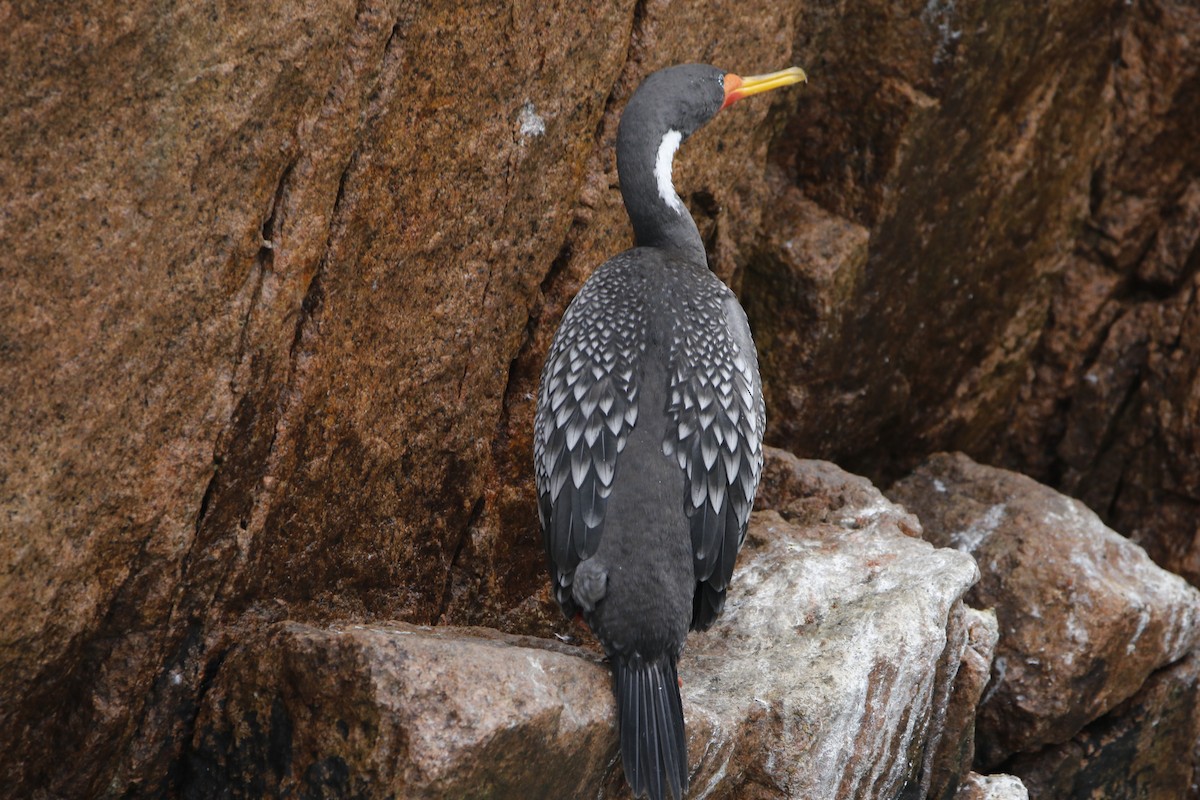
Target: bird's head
666	109
683	98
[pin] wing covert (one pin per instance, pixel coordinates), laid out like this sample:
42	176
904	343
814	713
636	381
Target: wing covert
587	405
715	401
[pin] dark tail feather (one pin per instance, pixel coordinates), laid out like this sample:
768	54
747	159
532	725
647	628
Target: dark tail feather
707	605
650	716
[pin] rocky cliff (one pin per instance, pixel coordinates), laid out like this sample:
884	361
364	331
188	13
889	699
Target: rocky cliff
279	279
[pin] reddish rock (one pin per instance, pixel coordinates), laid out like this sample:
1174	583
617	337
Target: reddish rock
270	268
402	711
1143	392
802	286
280	278
997	260
954	756
949	194
832	673
1145	748
1109	410
157	250
1084	615
809	492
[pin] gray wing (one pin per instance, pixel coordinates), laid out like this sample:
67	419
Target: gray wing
717	408
587	405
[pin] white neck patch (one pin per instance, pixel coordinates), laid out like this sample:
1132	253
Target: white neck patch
662	169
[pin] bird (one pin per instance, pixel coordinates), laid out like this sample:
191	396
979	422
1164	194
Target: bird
649	428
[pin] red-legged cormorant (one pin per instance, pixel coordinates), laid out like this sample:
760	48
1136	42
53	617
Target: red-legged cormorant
649	428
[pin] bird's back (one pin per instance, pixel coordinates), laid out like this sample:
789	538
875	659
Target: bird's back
648	446
648	450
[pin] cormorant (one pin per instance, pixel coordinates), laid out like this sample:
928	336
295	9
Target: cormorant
649	428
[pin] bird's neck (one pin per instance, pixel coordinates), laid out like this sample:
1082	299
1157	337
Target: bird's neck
659	217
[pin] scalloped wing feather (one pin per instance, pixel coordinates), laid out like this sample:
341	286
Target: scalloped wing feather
717	407
587	405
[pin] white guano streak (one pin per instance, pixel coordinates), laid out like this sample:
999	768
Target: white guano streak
662	169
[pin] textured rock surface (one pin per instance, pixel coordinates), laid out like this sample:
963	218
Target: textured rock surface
846	689
992	787
1084	615
269	267
1145	747
984	238
810	492
830	675
403	711
944	194
1110	409
279	279
955	757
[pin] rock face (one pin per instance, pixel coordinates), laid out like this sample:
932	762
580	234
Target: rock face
268	269
279	279
402	711
984	237
1085	619
1145	747
831	674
